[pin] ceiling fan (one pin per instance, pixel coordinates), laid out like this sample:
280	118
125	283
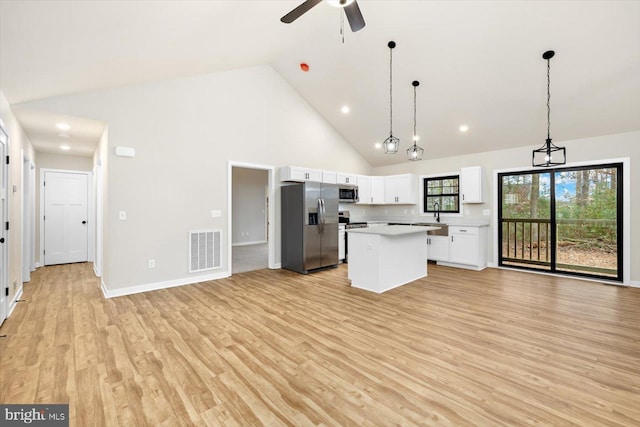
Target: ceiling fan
351	9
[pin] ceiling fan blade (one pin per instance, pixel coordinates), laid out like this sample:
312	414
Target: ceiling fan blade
299	11
354	16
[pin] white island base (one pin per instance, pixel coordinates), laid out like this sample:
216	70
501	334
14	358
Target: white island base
385	257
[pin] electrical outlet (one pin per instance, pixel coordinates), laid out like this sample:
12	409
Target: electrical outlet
486	212
216	213
122	215
152	263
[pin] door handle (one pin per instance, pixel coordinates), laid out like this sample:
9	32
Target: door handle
84	222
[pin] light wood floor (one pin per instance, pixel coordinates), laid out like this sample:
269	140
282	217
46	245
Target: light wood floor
278	348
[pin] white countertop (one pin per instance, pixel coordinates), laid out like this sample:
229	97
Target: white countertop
393	230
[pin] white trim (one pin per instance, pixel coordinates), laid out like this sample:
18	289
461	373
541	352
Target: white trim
626	211
160	285
272	210
635	284
38	264
276	266
89	174
256	242
14	303
99	218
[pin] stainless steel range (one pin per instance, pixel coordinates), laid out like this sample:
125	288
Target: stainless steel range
345	225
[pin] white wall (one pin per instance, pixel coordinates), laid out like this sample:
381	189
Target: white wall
18	142
249	205
184	132
582	150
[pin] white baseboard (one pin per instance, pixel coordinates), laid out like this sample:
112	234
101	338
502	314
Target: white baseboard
95	271
160	285
257	242
15	300
634	284
466	267
38	264
276	266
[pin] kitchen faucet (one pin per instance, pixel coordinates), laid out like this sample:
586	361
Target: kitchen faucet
436	214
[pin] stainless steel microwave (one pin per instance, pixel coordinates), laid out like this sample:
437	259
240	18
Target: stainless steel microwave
348	194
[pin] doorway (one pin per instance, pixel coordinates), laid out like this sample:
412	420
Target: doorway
64	207
4	201
564	220
251	210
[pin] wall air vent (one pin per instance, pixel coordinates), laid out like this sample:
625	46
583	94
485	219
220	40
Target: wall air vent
204	250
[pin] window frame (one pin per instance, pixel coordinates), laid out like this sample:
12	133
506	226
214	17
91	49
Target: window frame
425	186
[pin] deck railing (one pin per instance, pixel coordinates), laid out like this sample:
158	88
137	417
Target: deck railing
526	240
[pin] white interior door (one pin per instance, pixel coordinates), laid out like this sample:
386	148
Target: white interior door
65	217
4	299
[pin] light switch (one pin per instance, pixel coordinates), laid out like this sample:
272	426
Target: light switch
122	215
216	213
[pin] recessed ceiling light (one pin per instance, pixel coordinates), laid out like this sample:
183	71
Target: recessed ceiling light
65	147
464	128
63	126
378	145
345	109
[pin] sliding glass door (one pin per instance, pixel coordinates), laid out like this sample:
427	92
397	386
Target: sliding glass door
565	220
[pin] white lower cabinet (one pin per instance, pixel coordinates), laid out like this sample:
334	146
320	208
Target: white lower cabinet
437	248
467	247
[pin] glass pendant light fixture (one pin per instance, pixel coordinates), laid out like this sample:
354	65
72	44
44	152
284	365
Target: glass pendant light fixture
415	152
549	154
391	144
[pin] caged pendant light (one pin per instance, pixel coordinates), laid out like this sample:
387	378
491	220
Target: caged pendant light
549	154
391	144
415	152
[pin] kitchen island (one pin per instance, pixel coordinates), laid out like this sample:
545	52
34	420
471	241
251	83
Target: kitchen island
385	257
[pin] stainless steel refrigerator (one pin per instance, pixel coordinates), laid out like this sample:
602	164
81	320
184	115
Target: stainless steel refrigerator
309	214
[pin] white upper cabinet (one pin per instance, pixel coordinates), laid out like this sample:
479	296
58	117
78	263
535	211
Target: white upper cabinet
400	189
471	184
348	179
377	195
364	190
294	173
329	177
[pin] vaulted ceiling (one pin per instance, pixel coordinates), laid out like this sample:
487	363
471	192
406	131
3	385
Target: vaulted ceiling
479	63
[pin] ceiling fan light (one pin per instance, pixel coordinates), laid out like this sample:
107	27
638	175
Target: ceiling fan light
339	3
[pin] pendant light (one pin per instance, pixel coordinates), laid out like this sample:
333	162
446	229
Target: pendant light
391	144
549	154
415	152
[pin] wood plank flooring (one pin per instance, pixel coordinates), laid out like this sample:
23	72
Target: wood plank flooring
277	348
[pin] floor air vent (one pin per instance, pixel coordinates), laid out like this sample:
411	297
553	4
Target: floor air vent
204	250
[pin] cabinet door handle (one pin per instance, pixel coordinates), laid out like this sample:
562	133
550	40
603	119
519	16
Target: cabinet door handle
452	238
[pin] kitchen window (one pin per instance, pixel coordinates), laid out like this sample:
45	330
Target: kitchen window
442	194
